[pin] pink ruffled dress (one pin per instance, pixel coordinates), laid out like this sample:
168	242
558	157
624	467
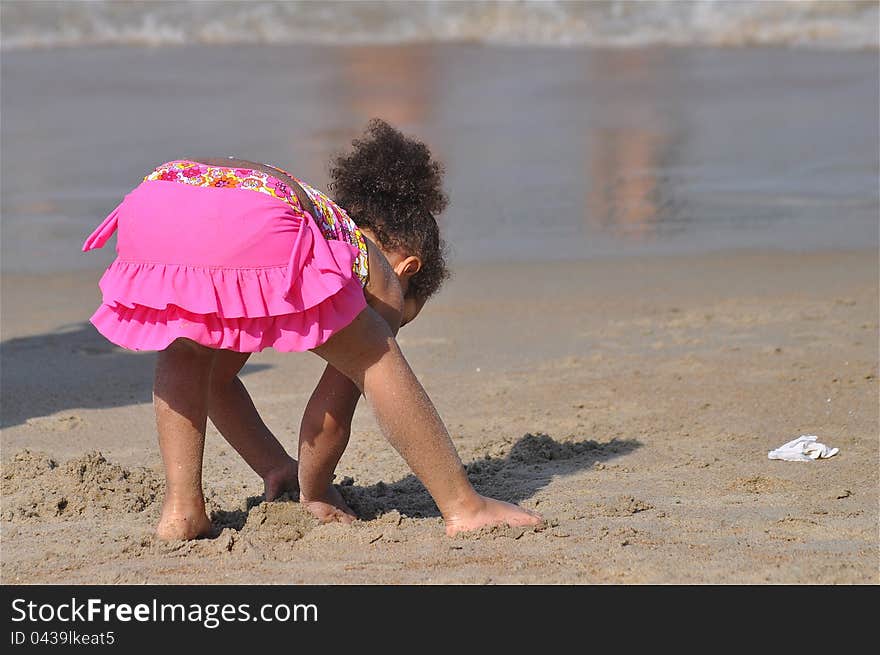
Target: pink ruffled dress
229	258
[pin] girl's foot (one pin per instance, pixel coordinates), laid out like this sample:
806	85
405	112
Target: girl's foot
280	479
330	507
177	523
488	513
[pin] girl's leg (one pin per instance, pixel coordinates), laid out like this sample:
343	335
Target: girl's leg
233	413
180	398
367	353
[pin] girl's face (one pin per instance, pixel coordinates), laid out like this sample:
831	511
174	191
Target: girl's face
405	266
411	308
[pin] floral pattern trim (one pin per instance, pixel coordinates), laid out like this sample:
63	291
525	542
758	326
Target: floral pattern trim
333	221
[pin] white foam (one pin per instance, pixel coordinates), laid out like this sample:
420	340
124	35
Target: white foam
614	23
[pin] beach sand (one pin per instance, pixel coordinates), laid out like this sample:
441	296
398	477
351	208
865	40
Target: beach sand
631	401
665	266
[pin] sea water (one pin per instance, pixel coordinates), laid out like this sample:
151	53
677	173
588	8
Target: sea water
551	152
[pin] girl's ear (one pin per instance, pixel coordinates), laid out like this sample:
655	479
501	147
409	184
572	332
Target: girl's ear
408	266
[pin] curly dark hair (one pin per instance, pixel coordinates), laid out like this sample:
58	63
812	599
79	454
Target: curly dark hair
389	184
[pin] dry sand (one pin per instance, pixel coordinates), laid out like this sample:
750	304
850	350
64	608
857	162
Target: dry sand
631	401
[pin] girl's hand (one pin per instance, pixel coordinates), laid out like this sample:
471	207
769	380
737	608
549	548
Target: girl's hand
282	478
330	507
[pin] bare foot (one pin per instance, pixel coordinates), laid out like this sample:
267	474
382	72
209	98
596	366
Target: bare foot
280	479
183	523
491	512
330	507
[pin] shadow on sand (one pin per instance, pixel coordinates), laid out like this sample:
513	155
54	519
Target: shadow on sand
69	368
530	464
528	467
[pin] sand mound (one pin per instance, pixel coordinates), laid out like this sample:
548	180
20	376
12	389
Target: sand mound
35	487
23	467
543	448
263	529
279	521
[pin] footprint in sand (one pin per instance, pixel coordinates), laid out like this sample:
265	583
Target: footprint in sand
61	423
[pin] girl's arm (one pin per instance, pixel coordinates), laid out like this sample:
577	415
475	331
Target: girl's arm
324	432
326	423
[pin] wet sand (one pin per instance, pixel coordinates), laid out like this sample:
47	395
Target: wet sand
630	400
551	154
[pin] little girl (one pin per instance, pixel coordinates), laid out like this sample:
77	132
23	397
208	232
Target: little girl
220	258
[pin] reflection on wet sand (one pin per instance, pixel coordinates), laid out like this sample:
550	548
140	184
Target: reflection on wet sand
626	150
395	83
550	153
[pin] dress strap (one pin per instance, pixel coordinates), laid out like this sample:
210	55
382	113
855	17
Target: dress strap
303	245
325	259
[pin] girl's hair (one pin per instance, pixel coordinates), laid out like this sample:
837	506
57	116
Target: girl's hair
389	184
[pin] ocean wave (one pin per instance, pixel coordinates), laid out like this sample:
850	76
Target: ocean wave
841	24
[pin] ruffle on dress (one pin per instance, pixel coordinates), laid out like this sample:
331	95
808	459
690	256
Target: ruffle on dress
293	307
